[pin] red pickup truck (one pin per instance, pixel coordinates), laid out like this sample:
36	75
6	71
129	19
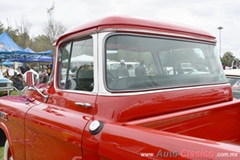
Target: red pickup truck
93	108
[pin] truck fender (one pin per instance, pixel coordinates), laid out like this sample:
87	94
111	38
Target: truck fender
7	136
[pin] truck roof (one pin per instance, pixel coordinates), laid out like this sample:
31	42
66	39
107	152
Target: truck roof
119	23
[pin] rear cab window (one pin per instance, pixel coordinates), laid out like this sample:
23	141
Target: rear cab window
137	62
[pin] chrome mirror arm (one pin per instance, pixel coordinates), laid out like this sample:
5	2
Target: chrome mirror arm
31	77
40	92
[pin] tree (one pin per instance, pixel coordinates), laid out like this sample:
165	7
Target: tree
42	43
23	31
228	58
54	29
13	33
1	28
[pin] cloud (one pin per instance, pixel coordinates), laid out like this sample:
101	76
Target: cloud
204	14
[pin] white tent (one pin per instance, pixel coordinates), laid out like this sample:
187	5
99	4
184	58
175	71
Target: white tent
80	59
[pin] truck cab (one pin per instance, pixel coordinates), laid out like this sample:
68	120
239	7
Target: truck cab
95	107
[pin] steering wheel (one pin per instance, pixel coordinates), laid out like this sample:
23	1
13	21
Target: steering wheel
72	84
84	78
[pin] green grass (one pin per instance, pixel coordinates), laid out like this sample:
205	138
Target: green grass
11	93
15	93
1	153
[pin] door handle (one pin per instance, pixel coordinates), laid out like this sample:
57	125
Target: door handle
82	104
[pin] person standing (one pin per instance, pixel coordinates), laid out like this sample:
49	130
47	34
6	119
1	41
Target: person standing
49	70
141	70
122	71
224	66
6	73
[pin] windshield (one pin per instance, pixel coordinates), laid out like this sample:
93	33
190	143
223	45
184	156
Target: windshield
138	62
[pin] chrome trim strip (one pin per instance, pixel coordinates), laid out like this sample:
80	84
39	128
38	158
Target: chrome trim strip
76	91
133	93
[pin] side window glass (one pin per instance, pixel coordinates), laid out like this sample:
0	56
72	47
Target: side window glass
64	55
76	65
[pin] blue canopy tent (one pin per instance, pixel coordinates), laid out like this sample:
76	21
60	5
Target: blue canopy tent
36	58
48	52
9	47
29	50
11	52
8	63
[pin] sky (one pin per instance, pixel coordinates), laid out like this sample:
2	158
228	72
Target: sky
207	15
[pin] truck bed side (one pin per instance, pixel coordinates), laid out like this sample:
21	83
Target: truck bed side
219	122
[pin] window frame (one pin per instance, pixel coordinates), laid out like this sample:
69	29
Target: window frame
60	63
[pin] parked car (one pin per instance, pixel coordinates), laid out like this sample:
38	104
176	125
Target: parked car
6	85
233	77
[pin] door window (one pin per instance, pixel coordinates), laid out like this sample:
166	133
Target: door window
76	65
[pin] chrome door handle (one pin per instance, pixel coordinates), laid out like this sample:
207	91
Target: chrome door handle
85	105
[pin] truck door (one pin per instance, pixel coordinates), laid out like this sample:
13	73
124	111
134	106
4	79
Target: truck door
54	129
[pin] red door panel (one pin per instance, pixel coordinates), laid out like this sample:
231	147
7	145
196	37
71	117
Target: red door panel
54	130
